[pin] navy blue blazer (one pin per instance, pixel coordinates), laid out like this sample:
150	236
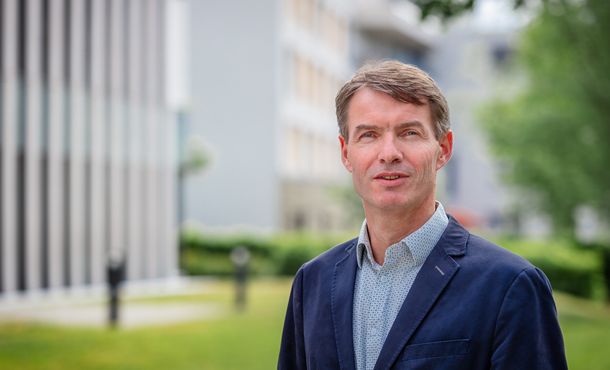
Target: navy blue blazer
473	305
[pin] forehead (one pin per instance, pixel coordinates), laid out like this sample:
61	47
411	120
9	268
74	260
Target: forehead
373	107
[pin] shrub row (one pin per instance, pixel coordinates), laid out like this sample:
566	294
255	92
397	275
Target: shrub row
570	268
281	254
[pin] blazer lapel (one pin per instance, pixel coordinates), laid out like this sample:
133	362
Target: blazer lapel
436	272
342	297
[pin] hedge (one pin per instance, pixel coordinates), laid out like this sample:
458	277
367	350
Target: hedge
570	268
280	254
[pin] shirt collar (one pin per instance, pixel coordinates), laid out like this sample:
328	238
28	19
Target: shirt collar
420	242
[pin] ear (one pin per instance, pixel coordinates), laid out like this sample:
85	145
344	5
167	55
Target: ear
344	159
446	144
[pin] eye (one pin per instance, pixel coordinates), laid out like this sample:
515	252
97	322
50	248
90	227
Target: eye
367	135
410	133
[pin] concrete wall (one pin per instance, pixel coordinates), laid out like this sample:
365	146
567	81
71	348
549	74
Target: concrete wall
234	68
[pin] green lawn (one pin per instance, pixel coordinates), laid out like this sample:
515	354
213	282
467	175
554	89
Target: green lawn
248	340
586	332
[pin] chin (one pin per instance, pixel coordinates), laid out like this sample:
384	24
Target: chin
392	203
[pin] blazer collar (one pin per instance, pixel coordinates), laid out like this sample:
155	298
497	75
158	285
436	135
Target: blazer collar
438	269
454	239
435	274
342	298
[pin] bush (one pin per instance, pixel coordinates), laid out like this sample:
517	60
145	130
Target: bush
570	268
291	251
281	254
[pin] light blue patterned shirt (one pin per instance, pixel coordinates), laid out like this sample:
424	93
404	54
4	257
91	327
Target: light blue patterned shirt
379	291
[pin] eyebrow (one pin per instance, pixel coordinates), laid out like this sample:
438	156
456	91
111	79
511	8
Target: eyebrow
414	123
364	126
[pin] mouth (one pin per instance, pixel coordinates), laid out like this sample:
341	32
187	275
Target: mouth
390	176
393	177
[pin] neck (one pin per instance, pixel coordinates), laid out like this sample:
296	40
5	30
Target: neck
388	227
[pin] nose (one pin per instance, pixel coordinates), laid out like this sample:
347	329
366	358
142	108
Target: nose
389	151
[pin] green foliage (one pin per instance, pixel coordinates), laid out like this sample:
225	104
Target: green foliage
553	136
211	255
447	9
281	254
195	157
570	268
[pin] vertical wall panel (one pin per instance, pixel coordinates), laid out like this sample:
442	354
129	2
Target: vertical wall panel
169	176
56	142
135	218
1	143
151	130
161	144
33	152
9	146
117	132
77	139
98	142
98	159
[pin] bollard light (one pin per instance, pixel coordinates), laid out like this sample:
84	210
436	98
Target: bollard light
115	274
240	256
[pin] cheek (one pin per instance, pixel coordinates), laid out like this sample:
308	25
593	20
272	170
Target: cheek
356	162
428	164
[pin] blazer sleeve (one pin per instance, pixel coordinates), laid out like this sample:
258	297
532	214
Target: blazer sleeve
527	334
292	348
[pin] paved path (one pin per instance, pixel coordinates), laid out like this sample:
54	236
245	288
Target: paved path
90	310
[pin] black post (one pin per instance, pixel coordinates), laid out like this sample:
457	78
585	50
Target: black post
240	257
606	271
115	274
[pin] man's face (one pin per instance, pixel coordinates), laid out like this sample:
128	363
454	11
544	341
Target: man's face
392	152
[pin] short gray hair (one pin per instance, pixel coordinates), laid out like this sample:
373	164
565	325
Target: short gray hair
403	82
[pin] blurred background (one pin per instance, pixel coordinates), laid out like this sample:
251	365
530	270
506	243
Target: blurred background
143	141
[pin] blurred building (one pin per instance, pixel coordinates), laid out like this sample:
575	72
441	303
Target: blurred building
264	76
87	144
472	61
386	29
263	101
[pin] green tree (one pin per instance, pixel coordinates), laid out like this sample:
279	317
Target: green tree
447	9
554	137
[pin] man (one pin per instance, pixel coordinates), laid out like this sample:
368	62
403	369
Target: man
415	290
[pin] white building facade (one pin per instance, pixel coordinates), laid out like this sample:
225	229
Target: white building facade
264	80
265	75
87	144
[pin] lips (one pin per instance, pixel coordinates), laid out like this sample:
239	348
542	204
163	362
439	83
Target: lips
390	176
391	179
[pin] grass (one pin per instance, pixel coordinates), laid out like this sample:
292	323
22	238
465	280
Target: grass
586	331
247	340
